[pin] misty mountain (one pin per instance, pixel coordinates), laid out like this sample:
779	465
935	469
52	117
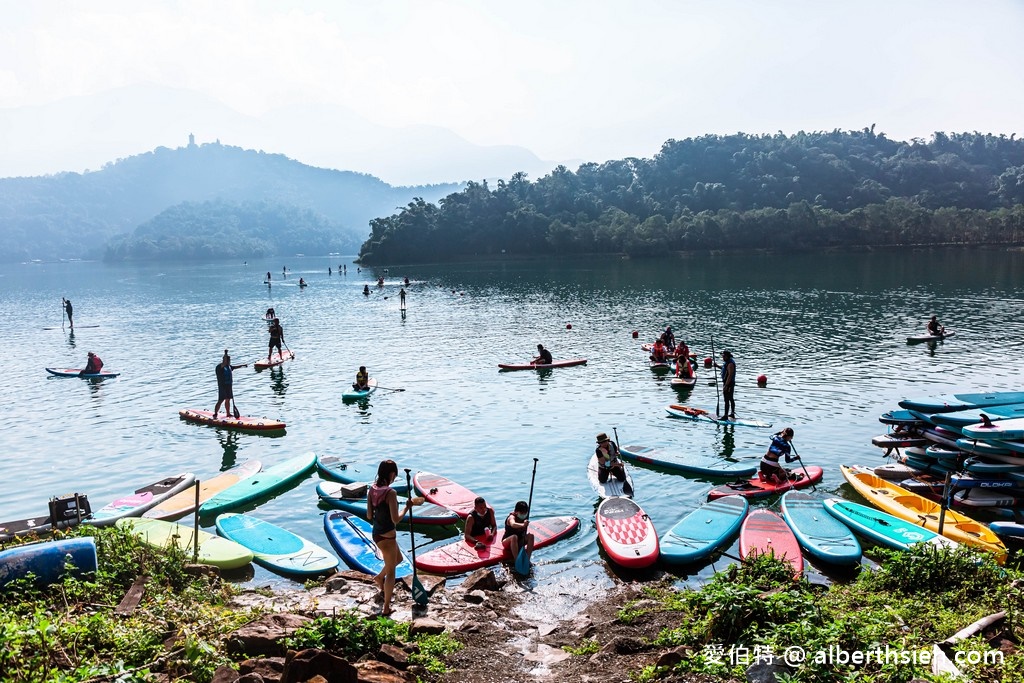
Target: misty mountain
82	133
73	215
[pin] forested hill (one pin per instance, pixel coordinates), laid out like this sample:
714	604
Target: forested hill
726	192
73	215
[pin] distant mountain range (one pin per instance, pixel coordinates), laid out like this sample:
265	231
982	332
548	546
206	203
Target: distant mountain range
82	133
196	201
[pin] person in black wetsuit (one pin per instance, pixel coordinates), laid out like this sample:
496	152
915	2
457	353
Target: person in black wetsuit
225	380
517	533
480	525
69	309
771	470
382	511
543	356
276	337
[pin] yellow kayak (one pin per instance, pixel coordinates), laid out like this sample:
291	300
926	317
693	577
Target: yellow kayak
899	502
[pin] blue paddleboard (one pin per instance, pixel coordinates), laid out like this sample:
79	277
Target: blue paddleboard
354	395
352	536
697	535
331	494
275	548
951	402
690	463
821	535
881	526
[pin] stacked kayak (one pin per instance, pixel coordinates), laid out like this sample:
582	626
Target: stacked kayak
819	533
626	533
266	482
689	463
700	533
459	556
901	503
213	550
765	533
276	548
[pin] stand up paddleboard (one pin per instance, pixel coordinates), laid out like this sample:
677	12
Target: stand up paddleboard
351	536
332	493
543	366
699	414
765	533
244	423
882	527
681	461
919	338
626	533
276	548
77	372
758	488
270	480
697	535
183	503
820	534
213	550
140	501
273	361
462	556
444	492
612	486
357	394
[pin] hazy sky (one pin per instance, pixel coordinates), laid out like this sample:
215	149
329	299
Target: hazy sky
587	79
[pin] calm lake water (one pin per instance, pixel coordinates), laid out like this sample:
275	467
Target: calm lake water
827	329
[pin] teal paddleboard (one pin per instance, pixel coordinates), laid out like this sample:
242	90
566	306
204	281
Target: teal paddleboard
270	480
697	535
821	535
275	548
1011	429
681	461
951	402
881	526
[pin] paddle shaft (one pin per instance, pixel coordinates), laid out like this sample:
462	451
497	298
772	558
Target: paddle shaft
714	365
802	466
419	593
522	563
615	431
389	388
63	313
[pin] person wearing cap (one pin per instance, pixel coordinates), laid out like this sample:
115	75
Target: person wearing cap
225	382
480	524
362	382
543	356
608	462
771	470
93	365
728	384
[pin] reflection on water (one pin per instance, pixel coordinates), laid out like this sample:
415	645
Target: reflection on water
829	330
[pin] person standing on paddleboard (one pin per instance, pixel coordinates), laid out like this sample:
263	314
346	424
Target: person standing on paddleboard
668	339
728	384
480	524
516	535
276	337
608	462
93	365
401	298
382	511
225	381
771	470
543	356
69	309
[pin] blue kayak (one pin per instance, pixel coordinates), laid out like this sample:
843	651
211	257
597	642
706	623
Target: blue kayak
697	535
352	536
270	480
951	402
821	535
48	561
275	548
677	459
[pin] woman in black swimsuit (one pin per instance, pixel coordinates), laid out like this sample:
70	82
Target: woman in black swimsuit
382	511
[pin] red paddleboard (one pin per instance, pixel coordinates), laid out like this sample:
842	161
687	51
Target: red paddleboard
626	533
444	492
461	556
244	423
765	533
755	488
543	366
276	359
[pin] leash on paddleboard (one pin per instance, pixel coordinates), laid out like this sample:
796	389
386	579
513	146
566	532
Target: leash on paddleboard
522	564
419	594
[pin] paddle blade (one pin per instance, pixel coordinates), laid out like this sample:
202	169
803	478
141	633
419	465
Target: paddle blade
522	565
419	594
237	414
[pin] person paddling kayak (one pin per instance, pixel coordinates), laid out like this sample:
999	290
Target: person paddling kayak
93	365
543	356
780	447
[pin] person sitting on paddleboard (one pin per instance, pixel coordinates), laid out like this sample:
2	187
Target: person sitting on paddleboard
935	328
366	290
480	525
683	367
770	467
668	339
276	337
608	463
362	382
543	356
93	365
302	282
516	534
225	381
270	314
659	354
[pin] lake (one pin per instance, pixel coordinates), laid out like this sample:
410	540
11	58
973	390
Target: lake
827	329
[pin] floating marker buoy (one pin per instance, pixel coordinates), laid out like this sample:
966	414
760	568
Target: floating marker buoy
569	326
708	361
635	334
762	380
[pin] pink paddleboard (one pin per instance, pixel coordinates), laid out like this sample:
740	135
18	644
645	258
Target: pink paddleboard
764	532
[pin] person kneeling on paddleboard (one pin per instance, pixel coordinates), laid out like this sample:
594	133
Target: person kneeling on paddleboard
480	524
516	534
543	356
93	365
608	462
771	470
935	328
683	367
362	382
659	354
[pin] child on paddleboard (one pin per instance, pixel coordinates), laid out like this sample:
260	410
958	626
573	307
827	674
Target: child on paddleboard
771	470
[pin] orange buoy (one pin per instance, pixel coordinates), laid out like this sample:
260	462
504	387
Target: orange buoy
635	334
762	380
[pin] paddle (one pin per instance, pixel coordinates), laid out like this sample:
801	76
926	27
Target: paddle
804	467
63	312
627	488
718	398
419	593
523	559
389	388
